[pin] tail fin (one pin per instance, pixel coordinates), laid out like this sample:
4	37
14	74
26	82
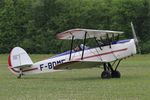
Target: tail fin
18	58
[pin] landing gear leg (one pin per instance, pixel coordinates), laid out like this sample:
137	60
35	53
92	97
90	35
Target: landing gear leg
114	73
109	72
20	73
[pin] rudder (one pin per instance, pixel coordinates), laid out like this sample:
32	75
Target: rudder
18	58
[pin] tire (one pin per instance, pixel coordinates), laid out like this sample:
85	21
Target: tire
106	75
115	74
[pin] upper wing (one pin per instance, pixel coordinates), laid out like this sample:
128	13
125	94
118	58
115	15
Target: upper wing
80	33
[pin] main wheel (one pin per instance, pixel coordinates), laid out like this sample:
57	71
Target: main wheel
106	75
115	74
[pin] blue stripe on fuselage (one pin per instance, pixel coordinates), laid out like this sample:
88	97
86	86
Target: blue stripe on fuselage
121	41
68	52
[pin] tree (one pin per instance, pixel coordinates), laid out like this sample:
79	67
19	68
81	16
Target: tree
14	18
33	24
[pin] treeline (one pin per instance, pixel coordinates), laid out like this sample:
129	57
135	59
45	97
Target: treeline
33	24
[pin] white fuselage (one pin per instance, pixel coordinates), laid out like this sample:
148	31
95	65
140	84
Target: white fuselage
119	50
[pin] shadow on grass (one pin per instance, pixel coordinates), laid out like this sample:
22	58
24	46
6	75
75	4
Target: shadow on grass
83	78
91	78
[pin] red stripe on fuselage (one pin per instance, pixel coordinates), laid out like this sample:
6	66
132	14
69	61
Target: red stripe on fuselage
27	70
103	54
14	70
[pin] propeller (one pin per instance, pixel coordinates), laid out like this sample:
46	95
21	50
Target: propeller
135	38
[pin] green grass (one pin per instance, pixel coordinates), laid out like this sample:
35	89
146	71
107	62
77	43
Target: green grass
83	84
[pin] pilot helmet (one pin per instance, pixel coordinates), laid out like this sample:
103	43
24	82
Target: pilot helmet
81	46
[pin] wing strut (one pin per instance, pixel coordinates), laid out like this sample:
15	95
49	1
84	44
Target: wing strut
98	43
108	39
113	38
71	47
84	45
117	37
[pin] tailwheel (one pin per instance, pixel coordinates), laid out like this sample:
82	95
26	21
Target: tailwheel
19	76
20	73
106	75
115	74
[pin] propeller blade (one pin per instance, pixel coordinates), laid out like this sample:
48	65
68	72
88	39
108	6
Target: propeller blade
135	38
134	34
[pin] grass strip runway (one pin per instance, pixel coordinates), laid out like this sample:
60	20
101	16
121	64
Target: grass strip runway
79	84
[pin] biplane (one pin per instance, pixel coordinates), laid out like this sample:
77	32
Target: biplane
109	52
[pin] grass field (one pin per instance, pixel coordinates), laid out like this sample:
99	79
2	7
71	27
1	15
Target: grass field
83	84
